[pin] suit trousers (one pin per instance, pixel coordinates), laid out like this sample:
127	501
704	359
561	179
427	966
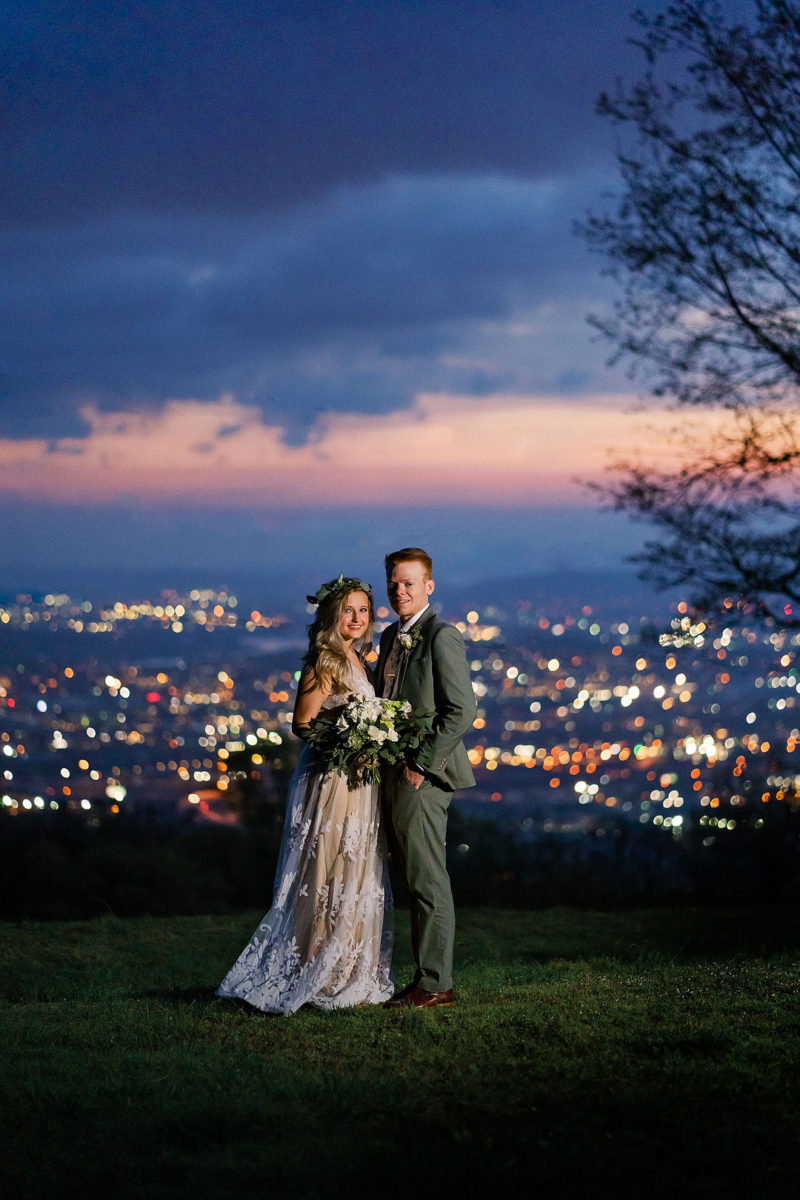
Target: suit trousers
419	821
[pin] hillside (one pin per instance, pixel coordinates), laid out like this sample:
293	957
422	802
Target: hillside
589	1053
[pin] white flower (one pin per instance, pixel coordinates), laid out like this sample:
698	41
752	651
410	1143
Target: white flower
366	733
410	639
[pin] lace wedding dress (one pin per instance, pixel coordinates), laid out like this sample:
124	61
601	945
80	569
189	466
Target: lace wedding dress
327	939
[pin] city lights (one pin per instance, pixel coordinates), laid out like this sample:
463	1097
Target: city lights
580	721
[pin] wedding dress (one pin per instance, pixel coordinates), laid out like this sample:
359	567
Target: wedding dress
326	941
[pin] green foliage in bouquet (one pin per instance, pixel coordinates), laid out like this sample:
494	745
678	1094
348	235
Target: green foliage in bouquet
364	734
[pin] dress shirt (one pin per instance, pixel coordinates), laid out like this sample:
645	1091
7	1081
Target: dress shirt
411	622
391	672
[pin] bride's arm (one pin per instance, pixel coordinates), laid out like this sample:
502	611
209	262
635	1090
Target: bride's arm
309	701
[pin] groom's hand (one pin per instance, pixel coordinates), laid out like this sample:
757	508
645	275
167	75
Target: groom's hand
414	778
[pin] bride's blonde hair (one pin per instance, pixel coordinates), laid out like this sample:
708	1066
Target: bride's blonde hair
326	657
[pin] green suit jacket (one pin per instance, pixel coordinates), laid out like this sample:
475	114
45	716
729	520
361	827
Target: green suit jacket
434	678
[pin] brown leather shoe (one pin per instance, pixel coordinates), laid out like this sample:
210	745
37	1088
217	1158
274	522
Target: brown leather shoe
417	997
401	995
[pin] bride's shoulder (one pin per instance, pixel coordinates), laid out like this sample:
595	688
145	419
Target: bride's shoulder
361	674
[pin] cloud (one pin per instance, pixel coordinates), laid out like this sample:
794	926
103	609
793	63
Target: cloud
247	106
314	206
353	217
360	300
446	450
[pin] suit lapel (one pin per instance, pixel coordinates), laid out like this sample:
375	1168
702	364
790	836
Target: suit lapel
405	657
387	638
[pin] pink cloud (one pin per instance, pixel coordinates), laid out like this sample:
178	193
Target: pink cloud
445	448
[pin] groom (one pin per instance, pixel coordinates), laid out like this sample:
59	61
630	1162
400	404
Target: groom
422	660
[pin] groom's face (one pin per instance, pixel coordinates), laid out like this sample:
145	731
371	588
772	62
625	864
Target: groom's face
409	588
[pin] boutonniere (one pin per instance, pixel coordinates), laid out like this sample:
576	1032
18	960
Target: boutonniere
410	639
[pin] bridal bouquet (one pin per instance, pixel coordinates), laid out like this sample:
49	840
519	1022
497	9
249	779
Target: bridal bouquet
364	734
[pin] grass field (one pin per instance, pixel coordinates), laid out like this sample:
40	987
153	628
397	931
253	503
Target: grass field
614	1054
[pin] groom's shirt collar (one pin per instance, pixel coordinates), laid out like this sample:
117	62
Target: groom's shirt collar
405	626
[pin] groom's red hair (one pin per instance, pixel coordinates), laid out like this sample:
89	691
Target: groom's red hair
409	554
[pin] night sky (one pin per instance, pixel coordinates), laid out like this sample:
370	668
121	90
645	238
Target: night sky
292	283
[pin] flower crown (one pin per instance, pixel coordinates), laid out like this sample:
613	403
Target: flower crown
341	584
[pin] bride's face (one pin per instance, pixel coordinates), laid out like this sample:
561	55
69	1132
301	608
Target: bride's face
354	619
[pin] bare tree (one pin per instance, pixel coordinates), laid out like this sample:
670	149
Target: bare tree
705	245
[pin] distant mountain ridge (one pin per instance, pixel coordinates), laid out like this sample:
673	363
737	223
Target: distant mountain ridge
612	592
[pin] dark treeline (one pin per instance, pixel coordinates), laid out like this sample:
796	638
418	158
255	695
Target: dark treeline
64	869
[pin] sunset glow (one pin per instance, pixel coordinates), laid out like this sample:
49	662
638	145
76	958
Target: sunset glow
447	448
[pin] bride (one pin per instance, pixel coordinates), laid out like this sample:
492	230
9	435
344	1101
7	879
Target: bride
326	940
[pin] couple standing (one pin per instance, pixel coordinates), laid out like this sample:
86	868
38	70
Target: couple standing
326	940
